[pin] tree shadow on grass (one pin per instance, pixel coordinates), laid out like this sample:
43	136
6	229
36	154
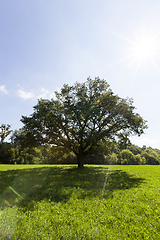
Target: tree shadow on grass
59	184
120	180
17	185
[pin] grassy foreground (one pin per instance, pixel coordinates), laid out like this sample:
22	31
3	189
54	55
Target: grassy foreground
64	202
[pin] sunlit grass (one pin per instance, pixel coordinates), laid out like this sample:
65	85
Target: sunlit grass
64	202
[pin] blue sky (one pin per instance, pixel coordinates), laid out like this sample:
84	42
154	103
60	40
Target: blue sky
44	44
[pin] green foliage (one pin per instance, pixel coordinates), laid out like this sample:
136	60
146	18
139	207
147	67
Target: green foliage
14	155
111	159
139	160
81	116
157	151
63	202
5	152
134	149
126	157
143	161
105	151
151	156
4	131
22	139
109	153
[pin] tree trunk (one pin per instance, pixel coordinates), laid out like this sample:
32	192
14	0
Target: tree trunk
80	159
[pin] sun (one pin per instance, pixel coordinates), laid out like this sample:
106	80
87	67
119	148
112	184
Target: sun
144	48
140	48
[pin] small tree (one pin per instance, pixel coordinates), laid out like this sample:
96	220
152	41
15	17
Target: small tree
81	116
21	139
4	131
127	157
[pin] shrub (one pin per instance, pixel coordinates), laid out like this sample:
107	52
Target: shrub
126	157
151	156
111	159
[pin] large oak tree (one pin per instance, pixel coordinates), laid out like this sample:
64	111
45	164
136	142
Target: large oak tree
82	115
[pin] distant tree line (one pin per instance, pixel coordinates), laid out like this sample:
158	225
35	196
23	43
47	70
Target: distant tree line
18	151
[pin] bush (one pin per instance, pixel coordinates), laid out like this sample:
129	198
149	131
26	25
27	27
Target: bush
126	157
111	159
151	156
5	153
139	160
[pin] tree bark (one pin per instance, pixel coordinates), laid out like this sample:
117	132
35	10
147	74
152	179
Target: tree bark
80	159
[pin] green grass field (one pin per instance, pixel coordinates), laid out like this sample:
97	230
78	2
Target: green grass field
64	202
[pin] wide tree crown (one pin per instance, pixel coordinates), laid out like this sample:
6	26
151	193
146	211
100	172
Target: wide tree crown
83	114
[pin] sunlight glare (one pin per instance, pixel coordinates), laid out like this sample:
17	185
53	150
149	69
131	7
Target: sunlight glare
144	48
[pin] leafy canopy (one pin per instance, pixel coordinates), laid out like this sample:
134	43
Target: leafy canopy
81	116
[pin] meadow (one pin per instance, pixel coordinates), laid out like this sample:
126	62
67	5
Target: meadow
64	202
